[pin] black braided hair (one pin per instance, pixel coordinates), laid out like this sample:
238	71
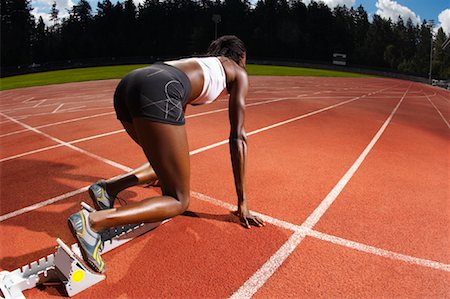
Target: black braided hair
229	46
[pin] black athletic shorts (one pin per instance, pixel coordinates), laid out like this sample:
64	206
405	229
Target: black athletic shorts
158	92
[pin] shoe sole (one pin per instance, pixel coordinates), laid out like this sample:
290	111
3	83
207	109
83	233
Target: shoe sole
86	258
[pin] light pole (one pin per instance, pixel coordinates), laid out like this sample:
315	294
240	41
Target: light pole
430	25
216	19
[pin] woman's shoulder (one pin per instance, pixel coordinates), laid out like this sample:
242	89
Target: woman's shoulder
232	70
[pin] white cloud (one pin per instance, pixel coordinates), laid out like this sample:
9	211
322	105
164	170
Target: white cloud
444	20
390	9
333	3
41	8
137	2
45	16
62	5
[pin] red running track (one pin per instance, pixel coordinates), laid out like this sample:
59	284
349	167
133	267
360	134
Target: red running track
350	174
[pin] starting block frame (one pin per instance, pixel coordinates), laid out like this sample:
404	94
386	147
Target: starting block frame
66	265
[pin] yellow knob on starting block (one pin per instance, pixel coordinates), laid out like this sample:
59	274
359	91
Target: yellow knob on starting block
78	275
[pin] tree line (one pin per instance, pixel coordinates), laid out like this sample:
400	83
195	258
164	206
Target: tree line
271	29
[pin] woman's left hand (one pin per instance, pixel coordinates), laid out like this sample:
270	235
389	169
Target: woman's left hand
247	219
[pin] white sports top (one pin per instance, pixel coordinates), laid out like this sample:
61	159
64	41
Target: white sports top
214	82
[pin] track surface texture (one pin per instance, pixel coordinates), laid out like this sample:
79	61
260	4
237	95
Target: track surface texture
351	176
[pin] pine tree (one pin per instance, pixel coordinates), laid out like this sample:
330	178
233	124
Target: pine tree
54	14
17	26
441	58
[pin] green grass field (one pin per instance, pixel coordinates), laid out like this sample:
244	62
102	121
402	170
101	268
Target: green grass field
117	72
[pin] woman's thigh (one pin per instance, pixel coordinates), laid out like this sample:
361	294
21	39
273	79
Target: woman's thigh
167	150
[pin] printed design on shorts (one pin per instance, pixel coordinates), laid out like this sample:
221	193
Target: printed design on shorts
169	104
155	73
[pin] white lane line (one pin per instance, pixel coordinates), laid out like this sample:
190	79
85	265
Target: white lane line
8	121
39	103
107	161
27	100
42	204
278	258
248	105
191	116
48	105
380	252
276	222
188	116
302	116
109	133
57	123
112	163
198	114
60	145
109	113
73	109
70	111
208	147
30	153
442	116
193	152
57	108
260	277
334	193
251	286
225	141
329	238
231	207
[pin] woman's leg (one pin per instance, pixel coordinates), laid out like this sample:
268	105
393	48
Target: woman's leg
142	175
167	150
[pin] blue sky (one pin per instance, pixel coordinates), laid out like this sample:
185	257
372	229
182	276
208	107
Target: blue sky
417	10
426	9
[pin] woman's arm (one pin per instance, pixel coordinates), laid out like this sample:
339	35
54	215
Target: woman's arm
238	146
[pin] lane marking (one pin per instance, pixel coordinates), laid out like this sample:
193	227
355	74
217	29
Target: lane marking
58	103
42	204
278	258
27	100
8	121
334	90
196	115
57	108
194	152
187	116
30	152
438	111
78	108
225	141
257	280
108	113
60	145
380	252
302	231
107	161
69	111
311	221
270	267
39	103
57	123
231	207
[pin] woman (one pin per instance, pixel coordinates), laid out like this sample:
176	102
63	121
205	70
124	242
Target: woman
150	102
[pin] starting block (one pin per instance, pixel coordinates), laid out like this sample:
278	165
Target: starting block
66	265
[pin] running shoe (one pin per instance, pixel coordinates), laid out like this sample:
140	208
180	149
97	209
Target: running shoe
101	199
90	242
